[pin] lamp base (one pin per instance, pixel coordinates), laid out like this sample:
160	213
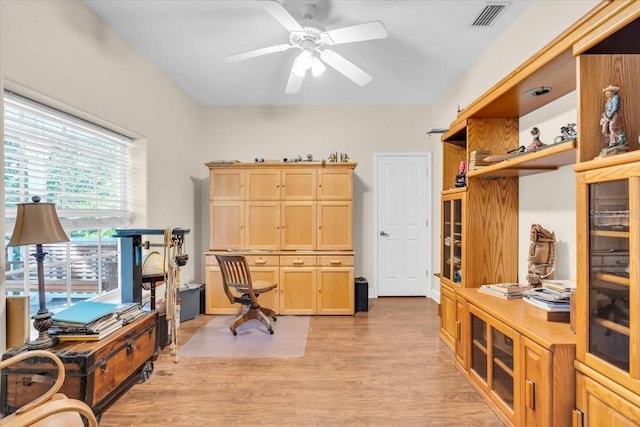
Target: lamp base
42	322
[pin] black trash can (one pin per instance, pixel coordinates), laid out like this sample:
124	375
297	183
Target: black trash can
361	294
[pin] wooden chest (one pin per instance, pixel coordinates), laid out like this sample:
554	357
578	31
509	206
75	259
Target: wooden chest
96	372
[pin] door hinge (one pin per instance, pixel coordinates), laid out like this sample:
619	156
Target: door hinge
426	222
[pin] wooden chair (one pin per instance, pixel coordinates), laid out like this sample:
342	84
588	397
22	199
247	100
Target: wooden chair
52	409
240	289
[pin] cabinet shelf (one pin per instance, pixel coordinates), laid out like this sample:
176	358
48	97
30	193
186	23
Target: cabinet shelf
504	366
480	346
608	324
612	278
547	159
610	233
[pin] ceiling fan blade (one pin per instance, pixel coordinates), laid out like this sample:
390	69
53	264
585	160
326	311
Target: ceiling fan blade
351	71
281	15
295	81
368	31
257	52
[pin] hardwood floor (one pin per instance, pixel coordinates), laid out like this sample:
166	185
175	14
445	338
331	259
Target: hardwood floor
384	367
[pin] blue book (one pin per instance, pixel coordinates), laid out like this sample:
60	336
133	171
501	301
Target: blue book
84	312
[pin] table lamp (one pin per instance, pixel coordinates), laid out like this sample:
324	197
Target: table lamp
37	223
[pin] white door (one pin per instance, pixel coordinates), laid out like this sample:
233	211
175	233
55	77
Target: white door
403	193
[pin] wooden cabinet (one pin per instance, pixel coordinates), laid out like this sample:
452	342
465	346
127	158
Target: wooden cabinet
522	365
226	222
608	226
298	285
299	225
281	206
600	405
462	320
278	208
609	300
262	225
448	316
335	225
601	49
335	285
452	242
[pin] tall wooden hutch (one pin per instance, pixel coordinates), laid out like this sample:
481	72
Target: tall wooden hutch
293	222
534	372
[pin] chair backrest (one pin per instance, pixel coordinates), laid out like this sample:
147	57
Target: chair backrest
236	275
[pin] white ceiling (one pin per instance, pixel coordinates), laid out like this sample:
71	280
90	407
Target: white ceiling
430	44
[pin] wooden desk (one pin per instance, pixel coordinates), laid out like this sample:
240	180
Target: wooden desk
96	372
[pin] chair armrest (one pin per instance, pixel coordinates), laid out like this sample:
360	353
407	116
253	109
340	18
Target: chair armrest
56	386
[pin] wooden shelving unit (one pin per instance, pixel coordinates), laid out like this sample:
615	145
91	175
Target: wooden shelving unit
545	160
600	49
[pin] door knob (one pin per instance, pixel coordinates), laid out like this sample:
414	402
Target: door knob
382	233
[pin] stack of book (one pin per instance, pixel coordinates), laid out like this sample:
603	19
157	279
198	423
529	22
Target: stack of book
505	290
477	159
86	321
128	312
550	304
564	286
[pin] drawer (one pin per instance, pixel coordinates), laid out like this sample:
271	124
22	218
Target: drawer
297	261
262	260
335	261
210	259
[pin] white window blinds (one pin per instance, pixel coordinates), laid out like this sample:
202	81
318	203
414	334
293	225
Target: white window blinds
81	167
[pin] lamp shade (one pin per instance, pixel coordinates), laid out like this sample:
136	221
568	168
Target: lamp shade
37	223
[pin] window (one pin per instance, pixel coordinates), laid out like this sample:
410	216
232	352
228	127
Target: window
85	170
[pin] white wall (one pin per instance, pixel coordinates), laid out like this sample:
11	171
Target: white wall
62	53
540	23
244	133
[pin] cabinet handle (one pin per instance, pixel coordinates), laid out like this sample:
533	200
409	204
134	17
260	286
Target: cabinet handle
335	261
260	261
298	262
530	394
459	330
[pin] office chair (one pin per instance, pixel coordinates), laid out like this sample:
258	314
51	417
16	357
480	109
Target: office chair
240	289
52	409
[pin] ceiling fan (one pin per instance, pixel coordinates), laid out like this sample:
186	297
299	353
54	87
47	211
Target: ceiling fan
311	38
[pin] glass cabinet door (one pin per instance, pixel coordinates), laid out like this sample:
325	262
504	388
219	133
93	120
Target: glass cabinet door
452	238
447	271
457	241
493	357
609	272
502	366
479	347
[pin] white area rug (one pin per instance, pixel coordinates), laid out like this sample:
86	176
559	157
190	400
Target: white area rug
215	339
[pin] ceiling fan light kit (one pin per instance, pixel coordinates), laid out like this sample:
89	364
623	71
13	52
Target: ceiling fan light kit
311	38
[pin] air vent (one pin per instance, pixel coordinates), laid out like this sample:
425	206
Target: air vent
489	14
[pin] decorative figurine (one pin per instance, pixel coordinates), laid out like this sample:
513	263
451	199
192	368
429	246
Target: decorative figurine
615	138
333	157
536	143
309	157
344	157
461	177
542	255
567	133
